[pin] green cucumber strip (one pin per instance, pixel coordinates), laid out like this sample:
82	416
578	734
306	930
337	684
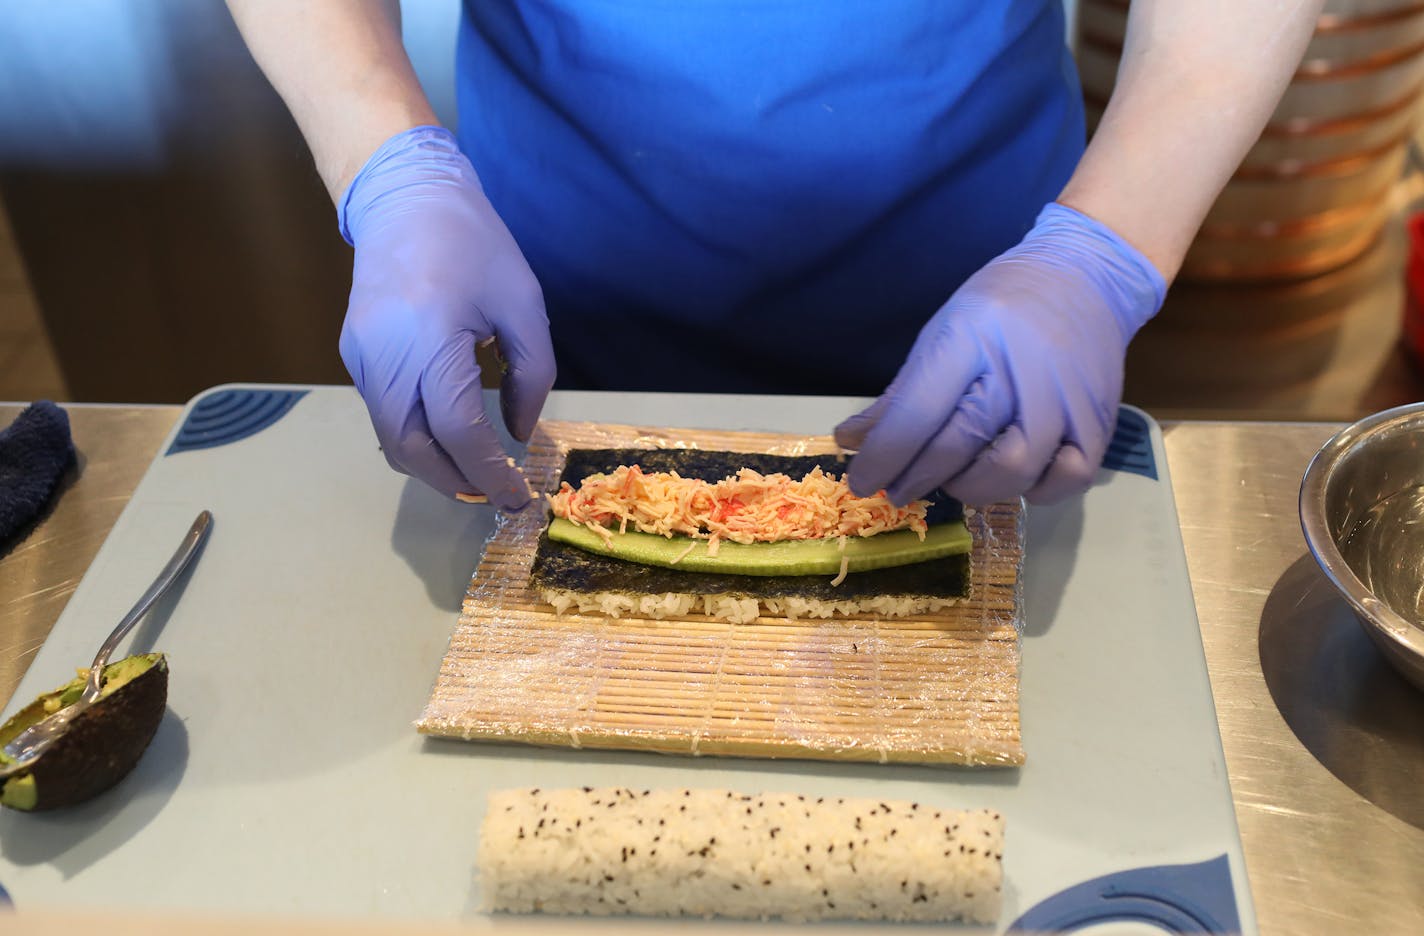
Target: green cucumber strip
788	557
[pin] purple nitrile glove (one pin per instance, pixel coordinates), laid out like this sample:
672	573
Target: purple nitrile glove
1012	388
436	272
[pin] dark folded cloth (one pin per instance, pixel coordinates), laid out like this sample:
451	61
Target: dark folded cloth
35	452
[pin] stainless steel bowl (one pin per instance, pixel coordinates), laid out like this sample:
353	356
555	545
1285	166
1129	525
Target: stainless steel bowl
1362	511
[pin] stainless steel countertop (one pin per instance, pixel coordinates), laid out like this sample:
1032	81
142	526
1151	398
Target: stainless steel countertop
115	446
1324	744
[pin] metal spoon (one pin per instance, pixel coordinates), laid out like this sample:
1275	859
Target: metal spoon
29	744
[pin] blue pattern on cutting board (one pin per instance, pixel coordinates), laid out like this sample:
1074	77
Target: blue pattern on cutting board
231	415
1130	448
5	900
1189	898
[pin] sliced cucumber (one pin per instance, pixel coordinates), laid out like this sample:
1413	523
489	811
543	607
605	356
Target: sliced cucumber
788	557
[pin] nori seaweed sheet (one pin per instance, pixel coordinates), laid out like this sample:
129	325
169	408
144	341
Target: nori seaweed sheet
560	566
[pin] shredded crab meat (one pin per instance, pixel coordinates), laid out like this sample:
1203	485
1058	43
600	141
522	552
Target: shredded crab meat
748	508
683	555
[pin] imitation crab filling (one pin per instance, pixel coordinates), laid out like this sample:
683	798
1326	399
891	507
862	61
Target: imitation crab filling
748	508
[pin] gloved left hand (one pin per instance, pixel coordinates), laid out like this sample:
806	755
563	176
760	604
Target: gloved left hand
436	272
1012	388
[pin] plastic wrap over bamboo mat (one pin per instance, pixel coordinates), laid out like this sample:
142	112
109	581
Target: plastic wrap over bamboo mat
932	688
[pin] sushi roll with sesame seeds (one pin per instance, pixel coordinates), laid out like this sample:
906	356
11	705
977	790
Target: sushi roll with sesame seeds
719	853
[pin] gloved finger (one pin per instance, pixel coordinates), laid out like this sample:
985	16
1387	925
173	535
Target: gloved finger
1019	456
405	440
417	453
919	402
1017	459
850	433
521	326
1071	472
980	418
528	377
455	409
1089	427
1000	472
399	423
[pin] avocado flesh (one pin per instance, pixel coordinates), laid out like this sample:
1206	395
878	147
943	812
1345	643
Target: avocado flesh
20	793
116	675
100	746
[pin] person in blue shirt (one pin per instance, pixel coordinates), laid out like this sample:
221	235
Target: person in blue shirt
887	198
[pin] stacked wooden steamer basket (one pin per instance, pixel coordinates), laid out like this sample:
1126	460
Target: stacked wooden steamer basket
1302	231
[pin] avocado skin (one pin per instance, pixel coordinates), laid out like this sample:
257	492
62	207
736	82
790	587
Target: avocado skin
104	743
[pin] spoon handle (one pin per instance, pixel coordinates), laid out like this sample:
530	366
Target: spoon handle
186	550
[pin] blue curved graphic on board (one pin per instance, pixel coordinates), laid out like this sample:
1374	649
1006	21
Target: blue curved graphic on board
1130	448
5	900
1189	898
231	415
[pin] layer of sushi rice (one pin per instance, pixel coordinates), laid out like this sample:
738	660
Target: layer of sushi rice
719	853
733	608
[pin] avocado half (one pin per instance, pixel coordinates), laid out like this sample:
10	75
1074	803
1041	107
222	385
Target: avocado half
100	746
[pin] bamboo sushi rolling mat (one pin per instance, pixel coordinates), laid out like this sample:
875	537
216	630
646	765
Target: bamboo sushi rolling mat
939	688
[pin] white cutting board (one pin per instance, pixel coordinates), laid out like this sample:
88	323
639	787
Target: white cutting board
287	778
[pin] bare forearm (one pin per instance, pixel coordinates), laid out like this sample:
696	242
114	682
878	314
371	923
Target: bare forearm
1197	83
341	69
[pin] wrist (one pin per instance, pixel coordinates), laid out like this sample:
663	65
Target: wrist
423	153
365	132
1131	285
1137	224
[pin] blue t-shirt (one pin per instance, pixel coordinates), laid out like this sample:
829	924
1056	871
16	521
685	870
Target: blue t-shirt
761	195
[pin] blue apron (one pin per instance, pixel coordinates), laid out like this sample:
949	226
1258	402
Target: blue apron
761	195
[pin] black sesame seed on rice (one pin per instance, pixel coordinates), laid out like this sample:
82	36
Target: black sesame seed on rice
945	892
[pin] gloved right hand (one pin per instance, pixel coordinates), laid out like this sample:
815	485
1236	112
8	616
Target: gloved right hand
1012	388
436	272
